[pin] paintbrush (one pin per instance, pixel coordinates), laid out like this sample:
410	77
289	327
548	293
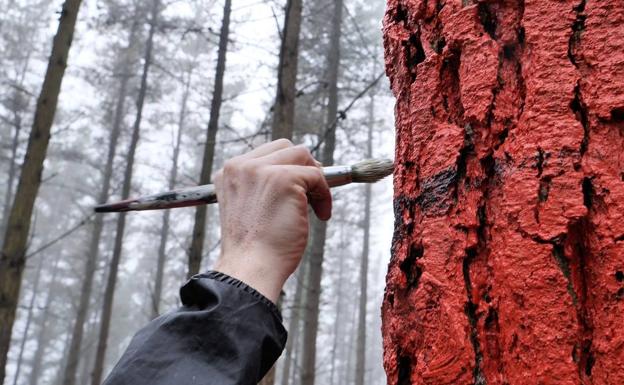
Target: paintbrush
368	171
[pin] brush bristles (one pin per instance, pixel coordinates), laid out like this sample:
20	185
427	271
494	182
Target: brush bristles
372	170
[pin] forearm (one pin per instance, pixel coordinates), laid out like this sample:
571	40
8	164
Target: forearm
226	333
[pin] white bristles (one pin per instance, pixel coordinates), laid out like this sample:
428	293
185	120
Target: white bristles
372	170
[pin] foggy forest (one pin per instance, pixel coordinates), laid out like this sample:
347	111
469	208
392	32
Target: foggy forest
101	100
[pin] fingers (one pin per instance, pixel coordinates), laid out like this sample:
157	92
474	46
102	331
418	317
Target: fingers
297	155
311	178
267	148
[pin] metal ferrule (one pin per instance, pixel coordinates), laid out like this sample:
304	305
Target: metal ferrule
338	175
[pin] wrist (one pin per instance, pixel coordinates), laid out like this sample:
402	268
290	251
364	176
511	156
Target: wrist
267	282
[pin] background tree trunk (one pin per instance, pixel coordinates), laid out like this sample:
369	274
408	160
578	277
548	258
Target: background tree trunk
338	320
31	308
13	167
319	228
111	282
509	194
173	177
283	123
42	335
284	108
360	363
294	324
73	355
199	228
13	259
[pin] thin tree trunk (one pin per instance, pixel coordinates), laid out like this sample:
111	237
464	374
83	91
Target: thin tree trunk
73	357
89	346
109	293
338	313
13	259
42	336
294	323
319	228
284	108
173	176
350	345
31	307
8	195
199	228
360	365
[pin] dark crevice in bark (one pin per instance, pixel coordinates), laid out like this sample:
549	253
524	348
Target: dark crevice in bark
404	370
579	232
521	87
544	189
436	192
438	44
414	54
450	86
488	165
487	18
470	309
617	114
577	29
462	160
588	193
502	137
402	230
540	162
571	253
500	83
564	265
437	40
410	266
401	15
582	115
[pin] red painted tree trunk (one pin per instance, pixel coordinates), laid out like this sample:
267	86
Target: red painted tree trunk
508	256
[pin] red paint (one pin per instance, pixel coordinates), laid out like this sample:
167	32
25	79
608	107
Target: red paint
508	257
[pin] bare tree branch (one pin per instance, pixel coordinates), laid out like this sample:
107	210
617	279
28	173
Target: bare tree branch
342	114
62	236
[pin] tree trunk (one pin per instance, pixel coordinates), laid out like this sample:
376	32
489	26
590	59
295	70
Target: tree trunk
319	228
338	313
199	229
507	256
173	176
31	307
294	323
109	292
42	336
13	258
73	357
284	108
8	195
360	363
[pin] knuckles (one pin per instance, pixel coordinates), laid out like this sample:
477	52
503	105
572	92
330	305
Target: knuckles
283	142
304	155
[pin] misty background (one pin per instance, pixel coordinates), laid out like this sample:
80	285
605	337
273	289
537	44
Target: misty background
109	49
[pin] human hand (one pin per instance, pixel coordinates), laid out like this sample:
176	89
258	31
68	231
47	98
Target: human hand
263	204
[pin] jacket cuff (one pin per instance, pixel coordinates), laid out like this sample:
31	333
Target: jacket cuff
191	297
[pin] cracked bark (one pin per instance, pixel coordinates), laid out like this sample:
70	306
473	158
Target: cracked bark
507	239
